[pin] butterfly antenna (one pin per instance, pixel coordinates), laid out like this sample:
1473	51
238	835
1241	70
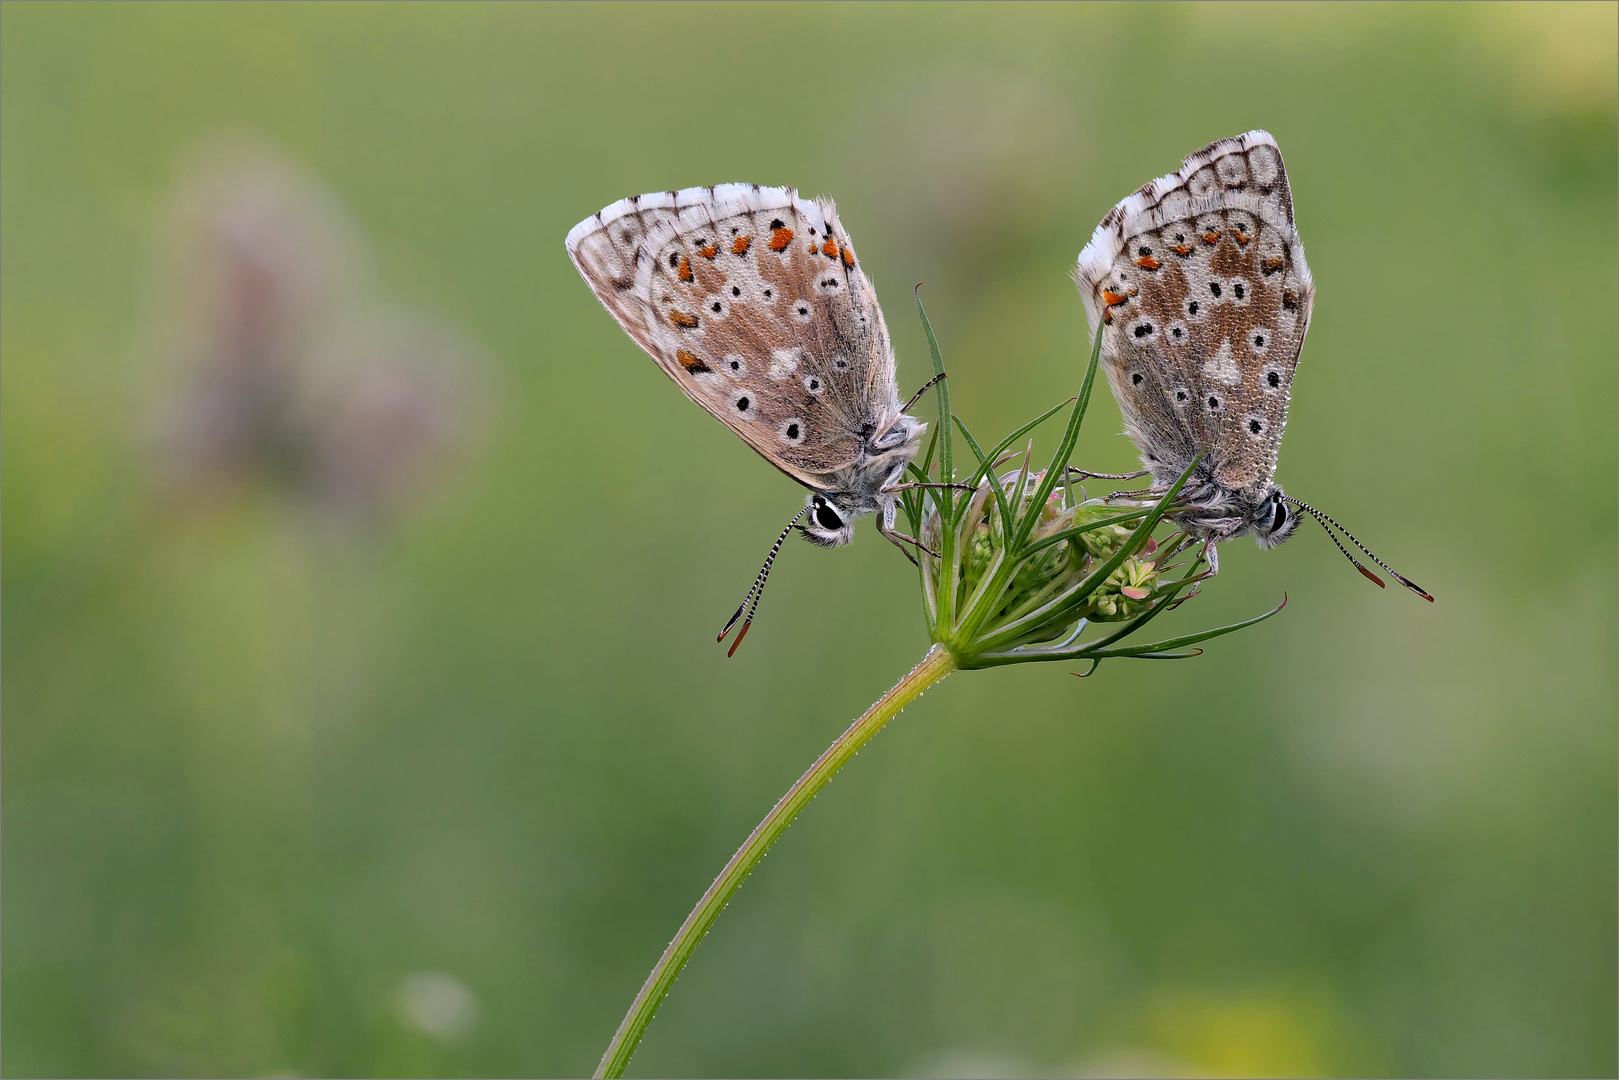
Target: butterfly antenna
1326	520
758	589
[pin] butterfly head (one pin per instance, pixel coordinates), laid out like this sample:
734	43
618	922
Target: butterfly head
829	525
1274	521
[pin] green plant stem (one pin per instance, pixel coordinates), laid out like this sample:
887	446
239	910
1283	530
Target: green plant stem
934	666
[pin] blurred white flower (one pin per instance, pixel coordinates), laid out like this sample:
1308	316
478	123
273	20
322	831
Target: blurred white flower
439	1004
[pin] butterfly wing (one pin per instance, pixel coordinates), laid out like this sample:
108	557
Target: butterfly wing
1199	282
752	300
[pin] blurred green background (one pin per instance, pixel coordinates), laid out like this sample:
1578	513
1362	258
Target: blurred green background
287	793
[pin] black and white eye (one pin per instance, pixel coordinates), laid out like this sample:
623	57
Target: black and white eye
826	516
828	285
735	291
767	294
791	431
1181	396
1214	403
802	312
1178	333
1254	426
717	306
743	404
1195	308
1271	379
1142	331
1259	341
840	363
814	385
1217	290
1136	378
1239	291
734	365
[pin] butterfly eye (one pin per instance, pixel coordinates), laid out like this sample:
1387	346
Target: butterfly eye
826	517
1280	517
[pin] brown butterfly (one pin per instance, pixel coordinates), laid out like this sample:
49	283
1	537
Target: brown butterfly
1198	284
752	300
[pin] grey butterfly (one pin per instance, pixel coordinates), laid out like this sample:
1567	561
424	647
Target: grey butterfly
752	300
1199	285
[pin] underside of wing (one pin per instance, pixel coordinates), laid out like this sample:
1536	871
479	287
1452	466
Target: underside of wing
753	302
1199	283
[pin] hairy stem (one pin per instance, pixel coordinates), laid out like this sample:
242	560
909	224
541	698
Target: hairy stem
934	666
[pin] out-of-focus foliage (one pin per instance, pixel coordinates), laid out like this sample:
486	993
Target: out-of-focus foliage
423	785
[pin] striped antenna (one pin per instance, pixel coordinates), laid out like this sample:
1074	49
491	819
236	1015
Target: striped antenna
1327	523
758	589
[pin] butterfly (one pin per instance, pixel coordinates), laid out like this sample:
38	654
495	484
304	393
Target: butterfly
752	300
1198	284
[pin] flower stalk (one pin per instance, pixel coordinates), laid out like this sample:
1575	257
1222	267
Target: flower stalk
934	666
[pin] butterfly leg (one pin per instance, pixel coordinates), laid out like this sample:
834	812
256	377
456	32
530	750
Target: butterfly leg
885	525
916	484
1143	493
925	388
1086	474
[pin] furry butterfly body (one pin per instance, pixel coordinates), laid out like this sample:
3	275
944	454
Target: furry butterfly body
1198	284
752	300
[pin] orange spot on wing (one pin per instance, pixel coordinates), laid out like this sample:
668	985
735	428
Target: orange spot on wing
1183	250
683	320
780	239
1242	238
830	248
690	361
1111	298
1211	237
739	246
1270	266
685	269
1147	262
1107	318
708	251
848	258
